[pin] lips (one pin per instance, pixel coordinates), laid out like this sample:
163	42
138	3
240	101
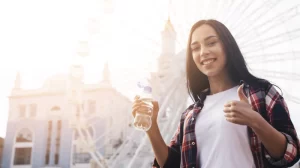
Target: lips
208	61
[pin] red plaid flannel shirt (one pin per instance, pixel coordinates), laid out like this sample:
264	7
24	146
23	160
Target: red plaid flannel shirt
265	100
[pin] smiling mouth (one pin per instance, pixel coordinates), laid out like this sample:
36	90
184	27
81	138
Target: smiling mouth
208	61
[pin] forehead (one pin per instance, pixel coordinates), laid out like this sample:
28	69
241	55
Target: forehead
203	32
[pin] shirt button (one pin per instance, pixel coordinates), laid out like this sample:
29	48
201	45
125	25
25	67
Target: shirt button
193	143
193	119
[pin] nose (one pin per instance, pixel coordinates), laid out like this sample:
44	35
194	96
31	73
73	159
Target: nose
204	51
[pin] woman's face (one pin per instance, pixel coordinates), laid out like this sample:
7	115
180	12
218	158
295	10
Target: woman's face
207	51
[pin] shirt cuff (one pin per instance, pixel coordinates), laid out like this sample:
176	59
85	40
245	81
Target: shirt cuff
289	155
173	160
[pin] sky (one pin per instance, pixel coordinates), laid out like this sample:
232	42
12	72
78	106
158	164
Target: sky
40	38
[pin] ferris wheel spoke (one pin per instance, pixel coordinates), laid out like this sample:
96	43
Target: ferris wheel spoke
254	17
242	10
256	12
273	57
278	74
267	25
271	41
230	13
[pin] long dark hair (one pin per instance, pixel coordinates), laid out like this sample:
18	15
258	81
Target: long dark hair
236	65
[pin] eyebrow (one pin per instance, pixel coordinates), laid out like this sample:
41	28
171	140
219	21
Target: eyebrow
193	43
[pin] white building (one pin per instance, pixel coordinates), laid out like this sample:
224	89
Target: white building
40	129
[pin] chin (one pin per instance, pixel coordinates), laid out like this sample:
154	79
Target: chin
211	73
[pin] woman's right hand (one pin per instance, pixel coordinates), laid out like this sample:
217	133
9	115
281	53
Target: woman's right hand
139	105
158	144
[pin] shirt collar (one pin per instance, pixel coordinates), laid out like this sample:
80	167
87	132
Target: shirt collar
205	92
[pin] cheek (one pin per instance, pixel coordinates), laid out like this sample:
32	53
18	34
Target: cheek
221	56
196	59
223	59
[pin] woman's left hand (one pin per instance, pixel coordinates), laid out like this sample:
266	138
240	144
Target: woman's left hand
240	112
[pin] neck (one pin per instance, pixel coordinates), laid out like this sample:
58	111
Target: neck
220	83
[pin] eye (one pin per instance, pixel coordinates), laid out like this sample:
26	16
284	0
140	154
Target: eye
195	48
212	43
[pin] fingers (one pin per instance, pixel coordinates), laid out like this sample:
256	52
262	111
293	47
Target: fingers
236	106
227	109
242	95
234	120
141	106
231	115
231	103
136	97
230	108
135	107
236	103
134	111
136	102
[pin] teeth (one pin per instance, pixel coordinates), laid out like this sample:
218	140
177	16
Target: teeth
208	61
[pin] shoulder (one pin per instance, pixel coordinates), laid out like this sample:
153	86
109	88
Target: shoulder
261	84
263	89
187	110
264	86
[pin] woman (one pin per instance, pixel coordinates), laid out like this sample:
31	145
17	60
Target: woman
237	120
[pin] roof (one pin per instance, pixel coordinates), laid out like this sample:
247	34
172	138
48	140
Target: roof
169	26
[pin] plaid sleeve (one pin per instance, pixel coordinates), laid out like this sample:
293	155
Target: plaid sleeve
280	119
174	152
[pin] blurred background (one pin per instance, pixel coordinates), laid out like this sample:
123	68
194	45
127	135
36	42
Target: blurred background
69	72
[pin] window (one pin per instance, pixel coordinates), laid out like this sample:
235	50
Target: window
24	136
22	111
22	156
55	111
56	159
55	108
32	110
47	156
23	147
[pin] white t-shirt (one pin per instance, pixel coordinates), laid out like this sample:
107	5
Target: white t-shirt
219	142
